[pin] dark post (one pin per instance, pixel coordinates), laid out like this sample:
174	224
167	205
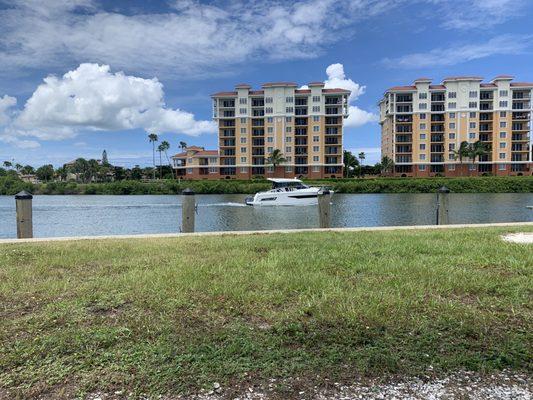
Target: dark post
324	208
442	205
188	208
23	201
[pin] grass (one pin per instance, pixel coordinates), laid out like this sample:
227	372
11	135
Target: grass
174	315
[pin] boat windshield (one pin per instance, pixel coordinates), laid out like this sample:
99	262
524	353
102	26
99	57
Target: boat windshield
289	185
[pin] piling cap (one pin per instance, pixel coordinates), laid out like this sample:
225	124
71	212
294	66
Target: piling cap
188	192
324	191
444	189
23	196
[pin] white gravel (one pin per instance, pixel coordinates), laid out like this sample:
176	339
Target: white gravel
464	385
519	237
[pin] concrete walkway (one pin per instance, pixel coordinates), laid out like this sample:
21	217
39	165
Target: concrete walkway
265	232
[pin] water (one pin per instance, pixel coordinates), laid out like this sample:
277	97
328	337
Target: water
114	215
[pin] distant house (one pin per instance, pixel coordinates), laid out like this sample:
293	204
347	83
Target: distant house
31	178
196	163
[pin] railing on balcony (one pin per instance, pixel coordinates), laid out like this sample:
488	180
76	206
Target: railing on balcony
404	138
404	118
258	102
258	113
300	111
300	131
437	158
333	121
403	149
437	107
258	142
404	159
437	118
404	98
228	103
437	138
258	132
300	101
300	121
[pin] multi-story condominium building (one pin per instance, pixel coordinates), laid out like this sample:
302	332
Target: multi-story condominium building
423	125
196	163
306	125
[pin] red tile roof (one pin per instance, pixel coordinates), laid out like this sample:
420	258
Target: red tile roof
316	84
336	90
453	78
302	91
527	84
201	153
242	85
503	77
437	87
488	85
207	153
422	79
224	94
401	88
257	92
270	84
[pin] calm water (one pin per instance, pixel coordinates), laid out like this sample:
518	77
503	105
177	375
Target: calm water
102	215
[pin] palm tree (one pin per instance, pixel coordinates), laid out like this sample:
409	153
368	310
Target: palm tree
462	152
152	138
18	167
160	149
362	157
276	158
350	163
478	149
164	146
387	164
183	145
8	164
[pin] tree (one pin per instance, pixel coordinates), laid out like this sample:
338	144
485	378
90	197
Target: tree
160	149
45	172
136	173
350	163
8	164
18	167
362	157
93	171
387	165
152	137
183	145
81	169
164	146
105	161
462	152
478	150
62	173
276	158
28	170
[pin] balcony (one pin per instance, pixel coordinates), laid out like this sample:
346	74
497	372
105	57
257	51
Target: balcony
404	159
228	161
437	128
333	111
485	127
519	147
402	119
227	123
437	97
300	131
404	138
258	160
332	131
300	111
300	141
258	142
404	109
329	140
485	106
300	121
258	132
333	100
520	127
437	158
404	129
227	133
258	113
521	105
403	149
301	151
333	121
332	160
519	116
228	143
485	137
520	137
258	152
258	102
437	148
227	103
437	107
300	101
404	98
437	118
227	152
258	122
437	138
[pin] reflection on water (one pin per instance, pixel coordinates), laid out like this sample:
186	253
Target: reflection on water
101	215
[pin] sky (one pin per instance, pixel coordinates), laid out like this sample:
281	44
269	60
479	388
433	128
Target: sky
81	76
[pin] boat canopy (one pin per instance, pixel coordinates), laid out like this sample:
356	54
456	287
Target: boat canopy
286	183
284	180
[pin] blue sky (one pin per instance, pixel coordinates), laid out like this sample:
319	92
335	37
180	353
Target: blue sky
117	69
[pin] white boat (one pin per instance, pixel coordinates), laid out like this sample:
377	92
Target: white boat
286	192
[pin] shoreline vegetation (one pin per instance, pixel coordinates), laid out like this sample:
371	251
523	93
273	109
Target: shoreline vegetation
151	317
10	185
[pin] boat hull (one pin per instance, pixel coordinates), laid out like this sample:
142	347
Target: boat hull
302	197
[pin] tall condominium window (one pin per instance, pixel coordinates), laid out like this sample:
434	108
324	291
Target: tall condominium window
452	105
289	99
452	95
422	136
451	146
503	145
423	106
452	115
422	156
422	167
243	130
422	146
472	125
316	108
288	129
270	149
316	148
316	138
289	109
270	120
452	125
503	135
503	114
472	135
243	100
269	110
268	99
504	93
503	103
270	129
501	167
270	139
451	167
288	139
243	120
451	136
243	149
472	104
502	156
422	96
288	149
316	99
316	128
472	94
288	119
316	169
422	126
503	124
472	115
242	110
422	116
316	118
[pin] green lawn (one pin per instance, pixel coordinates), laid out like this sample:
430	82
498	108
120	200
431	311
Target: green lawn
166	316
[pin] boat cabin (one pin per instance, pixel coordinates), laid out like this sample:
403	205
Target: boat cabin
287	184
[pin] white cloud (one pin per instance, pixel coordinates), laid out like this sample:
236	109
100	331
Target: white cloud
6	104
447	56
337	79
91	97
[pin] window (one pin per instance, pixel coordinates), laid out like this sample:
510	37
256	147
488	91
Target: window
243	159
472	94
452	115
422	96
316	169
472	125
243	120
242	100
472	115
213	170
316	128
472	135
503	124
503	114
269	110
452	105
503	145
503	93
288	169
288	119
288	149
243	149
270	169
288	139
472	104
451	146
422	126
501	167
288	158
472	167
289	99
268	99
423	106
316	108
422	146
288	129
316	148
451	156
316	118
422	136
270	139
270	149
243	130
421	167
502	156
189	170
452	95
316	138
422	116
243	170
189	160
503	103
452	125
270	129
451	136
316	158
451	167
422	156
503	135
316	99
289	109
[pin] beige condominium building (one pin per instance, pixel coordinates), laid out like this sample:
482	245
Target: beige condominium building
195	162
422	125
306	125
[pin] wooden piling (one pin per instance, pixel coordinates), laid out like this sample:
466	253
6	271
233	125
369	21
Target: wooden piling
188	210
324	208
442	206
23	201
